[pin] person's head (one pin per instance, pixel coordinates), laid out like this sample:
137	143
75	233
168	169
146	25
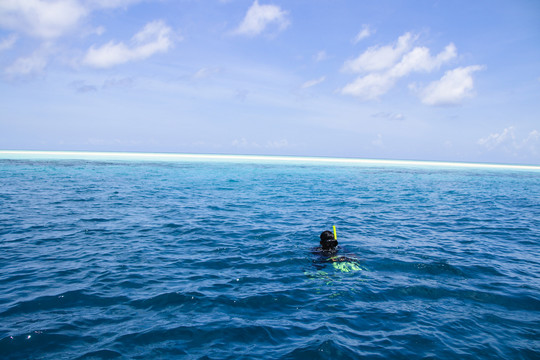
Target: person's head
327	240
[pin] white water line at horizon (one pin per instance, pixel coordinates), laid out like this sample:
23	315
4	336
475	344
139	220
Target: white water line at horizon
89	155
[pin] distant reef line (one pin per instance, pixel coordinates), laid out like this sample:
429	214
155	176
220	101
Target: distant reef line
142	156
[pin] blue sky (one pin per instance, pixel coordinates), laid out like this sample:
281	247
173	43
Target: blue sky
424	80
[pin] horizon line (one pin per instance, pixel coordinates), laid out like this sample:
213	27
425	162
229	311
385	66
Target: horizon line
157	156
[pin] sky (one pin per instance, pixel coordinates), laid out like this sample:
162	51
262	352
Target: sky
381	79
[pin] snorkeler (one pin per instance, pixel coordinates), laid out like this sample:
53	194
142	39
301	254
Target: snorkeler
327	253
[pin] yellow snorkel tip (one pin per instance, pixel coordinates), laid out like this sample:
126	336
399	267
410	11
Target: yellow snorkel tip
335	235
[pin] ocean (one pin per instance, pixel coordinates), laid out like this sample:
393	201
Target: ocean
214	258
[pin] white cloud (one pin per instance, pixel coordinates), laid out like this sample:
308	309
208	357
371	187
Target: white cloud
30	65
277	144
389	116
312	83
364	33
270	144
385	65
110	3
118	83
155	37
40	18
370	86
93	31
534	136
206	73
494	140
452	88
378	142
259	17
378	58
8	42
49	19
100	30
420	60
243	143
320	56
508	141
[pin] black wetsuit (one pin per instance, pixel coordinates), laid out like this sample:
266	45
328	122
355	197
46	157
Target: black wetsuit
324	257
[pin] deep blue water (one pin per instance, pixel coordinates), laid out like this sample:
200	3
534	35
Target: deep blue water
214	260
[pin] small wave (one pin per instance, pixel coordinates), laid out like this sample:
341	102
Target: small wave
213	334
70	299
327	349
34	344
97	220
165	300
510	302
477	271
100	354
426	268
172	225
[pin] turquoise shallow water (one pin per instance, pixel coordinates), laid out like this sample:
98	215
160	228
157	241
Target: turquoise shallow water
213	260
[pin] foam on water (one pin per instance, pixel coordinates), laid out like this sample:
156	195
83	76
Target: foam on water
213	260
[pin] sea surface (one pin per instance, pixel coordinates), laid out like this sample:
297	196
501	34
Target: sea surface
118	259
